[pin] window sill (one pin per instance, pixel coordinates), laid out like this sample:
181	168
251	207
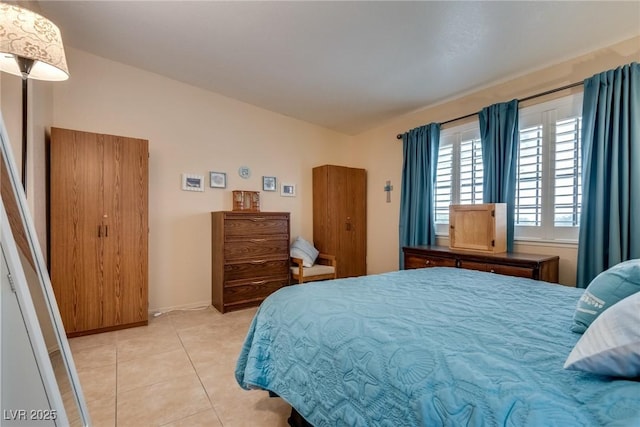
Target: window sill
564	243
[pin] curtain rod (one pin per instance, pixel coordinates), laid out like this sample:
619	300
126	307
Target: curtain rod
537	95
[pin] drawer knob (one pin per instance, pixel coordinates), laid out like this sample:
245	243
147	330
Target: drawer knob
492	270
427	262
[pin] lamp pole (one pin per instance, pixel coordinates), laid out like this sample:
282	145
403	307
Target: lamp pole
25	65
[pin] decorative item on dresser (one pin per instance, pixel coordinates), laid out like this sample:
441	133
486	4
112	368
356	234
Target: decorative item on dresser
246	201
250	257
478	227
99	230
340	217
538	267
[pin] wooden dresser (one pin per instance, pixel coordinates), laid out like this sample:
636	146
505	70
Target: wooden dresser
538	267
250	261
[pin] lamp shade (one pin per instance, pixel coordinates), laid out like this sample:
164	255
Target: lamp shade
26	34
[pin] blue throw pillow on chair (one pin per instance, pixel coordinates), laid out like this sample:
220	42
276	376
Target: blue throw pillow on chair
300	248
605	290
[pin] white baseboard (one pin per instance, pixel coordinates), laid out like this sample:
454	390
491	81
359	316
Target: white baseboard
189	306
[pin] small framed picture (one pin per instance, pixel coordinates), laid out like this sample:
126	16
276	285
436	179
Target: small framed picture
269	183
218	179
288	190
192	182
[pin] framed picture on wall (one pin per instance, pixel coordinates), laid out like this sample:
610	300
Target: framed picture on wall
217	179
288	190
192	182
269	183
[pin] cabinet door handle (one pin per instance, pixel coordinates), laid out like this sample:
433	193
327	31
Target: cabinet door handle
100	230
106	231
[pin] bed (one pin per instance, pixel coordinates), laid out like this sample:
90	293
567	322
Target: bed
429	347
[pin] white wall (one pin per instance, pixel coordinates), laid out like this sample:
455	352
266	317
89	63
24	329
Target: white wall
192	131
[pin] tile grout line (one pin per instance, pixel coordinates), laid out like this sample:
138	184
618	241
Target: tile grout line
199	379
115	411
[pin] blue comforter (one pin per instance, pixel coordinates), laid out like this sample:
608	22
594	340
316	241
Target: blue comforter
429	347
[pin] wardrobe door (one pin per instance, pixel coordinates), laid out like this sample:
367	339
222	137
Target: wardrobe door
350	212
125	222
324	232
76	243
357	214
341	218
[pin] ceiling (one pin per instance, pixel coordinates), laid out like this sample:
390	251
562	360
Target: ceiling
347	66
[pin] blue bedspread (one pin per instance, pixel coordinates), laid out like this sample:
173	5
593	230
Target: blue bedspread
429	347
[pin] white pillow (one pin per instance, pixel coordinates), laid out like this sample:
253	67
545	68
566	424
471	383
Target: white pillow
300	248
611	344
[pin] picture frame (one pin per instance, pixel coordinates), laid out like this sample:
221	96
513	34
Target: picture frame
218	179
192	182
288	190
269	183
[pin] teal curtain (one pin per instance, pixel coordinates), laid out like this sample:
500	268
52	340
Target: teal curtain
417	197
610	216
500	142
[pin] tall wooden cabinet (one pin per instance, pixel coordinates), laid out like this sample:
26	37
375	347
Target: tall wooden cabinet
340	216
250	257
99	230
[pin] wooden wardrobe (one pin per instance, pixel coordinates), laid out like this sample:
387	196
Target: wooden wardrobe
340	216
99	230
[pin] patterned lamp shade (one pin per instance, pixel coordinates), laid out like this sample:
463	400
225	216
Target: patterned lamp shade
27	35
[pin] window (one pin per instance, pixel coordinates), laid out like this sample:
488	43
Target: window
568	173
528	209
548	178
548	187
459	173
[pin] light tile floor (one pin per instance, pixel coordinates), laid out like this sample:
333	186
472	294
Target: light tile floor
177	371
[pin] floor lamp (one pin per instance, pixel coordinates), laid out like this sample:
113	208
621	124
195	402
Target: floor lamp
30	47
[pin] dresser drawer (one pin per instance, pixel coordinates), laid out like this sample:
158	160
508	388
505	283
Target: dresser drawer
415	261
252	291
256	248
255	269
472	265
255	225
511	270
507	270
